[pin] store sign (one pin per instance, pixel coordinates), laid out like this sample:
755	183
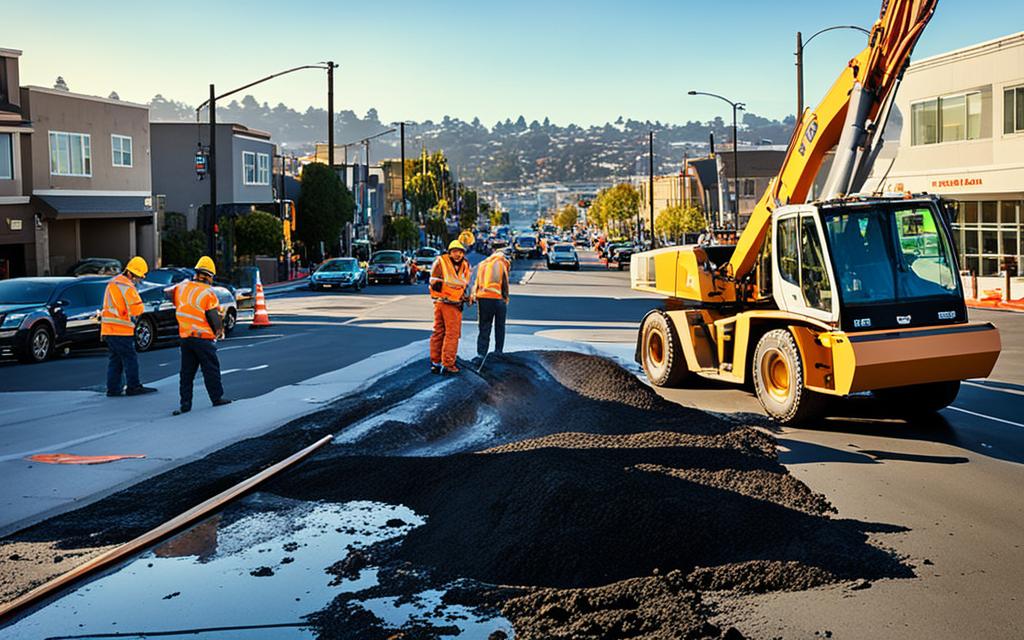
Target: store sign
950	183
15	224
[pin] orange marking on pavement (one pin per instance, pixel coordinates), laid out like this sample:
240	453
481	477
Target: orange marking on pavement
70	458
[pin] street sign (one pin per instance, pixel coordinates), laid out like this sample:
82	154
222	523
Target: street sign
202	163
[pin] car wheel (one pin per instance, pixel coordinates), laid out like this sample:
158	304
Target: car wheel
145	335
779	379
230	320
39	346
661	353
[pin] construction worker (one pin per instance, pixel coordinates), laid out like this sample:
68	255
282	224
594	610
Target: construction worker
449	281
490	291
197	310
121	308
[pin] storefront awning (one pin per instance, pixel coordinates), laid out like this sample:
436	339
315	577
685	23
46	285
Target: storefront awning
96	207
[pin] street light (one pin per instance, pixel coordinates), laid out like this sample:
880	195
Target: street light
736	106
800	44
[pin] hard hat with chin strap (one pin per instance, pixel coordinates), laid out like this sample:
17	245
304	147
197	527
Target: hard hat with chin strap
206	264
137	267
455	244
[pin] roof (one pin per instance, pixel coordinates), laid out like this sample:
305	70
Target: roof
236	127
754	163
97	206
10	53
1014	39
82	96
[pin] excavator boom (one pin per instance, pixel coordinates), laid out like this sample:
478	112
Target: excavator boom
867	83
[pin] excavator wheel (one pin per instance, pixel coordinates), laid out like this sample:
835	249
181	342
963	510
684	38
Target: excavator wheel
919	399
661	354
779	379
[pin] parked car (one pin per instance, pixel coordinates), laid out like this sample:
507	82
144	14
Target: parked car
621	256
338	273
167	276
388	266
41	316
563	256
158	322
96	266
424	260
526	246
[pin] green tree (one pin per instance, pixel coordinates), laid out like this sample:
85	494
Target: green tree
259	233
676	220
407	234
325	205
567	217
497	217
468	212
618	207
178	246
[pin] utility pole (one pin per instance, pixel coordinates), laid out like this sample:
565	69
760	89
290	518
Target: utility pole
650	178
735	168
211	222
330	113
401	127
799	77
366	189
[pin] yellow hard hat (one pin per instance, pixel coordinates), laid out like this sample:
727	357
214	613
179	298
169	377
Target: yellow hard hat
206	264
467	237
137	267
455	244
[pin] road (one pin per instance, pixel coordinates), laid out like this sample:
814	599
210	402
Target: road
944	491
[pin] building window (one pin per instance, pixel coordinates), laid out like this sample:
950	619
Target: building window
1013	110
121	148
70	154
248	167
6	156
946	119
263	168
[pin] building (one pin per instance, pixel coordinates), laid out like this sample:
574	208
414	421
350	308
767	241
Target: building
962	137
17	224
714	182
244	163
86	164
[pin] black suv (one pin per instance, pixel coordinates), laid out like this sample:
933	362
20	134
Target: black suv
40	315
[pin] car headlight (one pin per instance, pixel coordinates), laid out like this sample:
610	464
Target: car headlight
12	320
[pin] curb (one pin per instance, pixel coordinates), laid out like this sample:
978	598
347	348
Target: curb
997	305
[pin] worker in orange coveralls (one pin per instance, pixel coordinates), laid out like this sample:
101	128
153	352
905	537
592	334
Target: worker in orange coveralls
449	281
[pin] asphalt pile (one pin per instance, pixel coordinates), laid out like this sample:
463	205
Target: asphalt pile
566	495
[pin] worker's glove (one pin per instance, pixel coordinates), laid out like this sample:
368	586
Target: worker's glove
436	287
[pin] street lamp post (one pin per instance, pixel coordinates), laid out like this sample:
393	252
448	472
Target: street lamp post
650	182
800	44
736	106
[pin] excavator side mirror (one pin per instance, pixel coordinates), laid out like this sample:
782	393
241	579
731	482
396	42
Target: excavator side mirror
950	210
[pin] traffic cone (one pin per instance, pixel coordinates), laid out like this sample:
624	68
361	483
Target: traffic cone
260	318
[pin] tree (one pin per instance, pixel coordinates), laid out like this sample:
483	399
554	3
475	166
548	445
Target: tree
258	233
676	220
407	234
468	213
325	205
567	217
497	217
618	206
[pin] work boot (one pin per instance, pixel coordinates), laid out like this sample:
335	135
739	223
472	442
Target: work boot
114	394
435	368
477	361
180	410
220	402
138	391
451	371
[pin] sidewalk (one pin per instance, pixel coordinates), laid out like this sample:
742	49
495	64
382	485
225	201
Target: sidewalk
998	305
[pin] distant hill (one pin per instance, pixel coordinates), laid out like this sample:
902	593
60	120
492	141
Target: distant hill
512	151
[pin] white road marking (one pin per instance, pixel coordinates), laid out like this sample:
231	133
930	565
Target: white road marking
982	415
988	388
258	367
227	371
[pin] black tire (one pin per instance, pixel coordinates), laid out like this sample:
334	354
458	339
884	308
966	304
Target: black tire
661	353
230	321
39	346
778	376
145	335
620	266
919	399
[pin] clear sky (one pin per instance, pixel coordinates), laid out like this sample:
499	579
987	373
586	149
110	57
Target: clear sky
575	61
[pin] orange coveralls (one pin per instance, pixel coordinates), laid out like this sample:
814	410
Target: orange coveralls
444	342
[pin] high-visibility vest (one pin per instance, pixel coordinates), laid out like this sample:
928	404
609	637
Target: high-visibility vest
453	281
191	302
489	274
121	301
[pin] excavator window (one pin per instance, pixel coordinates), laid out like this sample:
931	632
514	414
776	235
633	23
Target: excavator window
789	250
813	274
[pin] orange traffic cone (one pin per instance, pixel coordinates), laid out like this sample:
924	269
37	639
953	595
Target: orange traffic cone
260	317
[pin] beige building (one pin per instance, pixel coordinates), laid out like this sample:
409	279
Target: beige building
963	138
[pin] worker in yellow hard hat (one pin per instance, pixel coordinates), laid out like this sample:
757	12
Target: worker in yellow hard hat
121	308
197	310
449	284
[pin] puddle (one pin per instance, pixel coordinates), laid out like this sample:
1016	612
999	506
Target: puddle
250	573
406	412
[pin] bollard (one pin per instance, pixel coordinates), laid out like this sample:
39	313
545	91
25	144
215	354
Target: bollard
974	285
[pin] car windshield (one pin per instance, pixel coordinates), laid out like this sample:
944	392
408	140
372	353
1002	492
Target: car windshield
563	248
23	292
426	253
391	257
160	276
334	266
890	254
526	241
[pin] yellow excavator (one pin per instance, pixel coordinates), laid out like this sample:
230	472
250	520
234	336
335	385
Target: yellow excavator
849	293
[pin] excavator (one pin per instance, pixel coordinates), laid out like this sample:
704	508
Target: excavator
846	294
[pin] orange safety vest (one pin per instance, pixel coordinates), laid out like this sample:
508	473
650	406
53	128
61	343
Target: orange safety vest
489	274
121	302
453	281
191	302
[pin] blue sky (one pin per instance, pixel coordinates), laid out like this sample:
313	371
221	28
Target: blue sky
583	62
